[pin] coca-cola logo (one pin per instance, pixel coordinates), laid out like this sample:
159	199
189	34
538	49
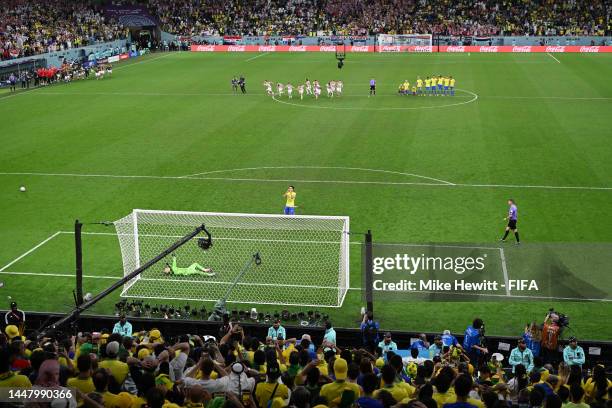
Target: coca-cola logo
589	49
297	48
489	49
266	48
359	48
327	48
236	48
390	48
558	48
422	48
455	48
524	48
205	48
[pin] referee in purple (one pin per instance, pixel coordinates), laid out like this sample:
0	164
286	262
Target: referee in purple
512	219
372	87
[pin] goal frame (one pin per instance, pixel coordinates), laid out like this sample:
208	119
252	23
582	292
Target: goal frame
344	258
384	45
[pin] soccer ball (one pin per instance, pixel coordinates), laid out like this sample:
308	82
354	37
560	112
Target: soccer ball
22	189
87	297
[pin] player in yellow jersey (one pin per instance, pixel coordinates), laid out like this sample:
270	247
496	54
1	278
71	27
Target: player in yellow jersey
414	90
406	87
451	86
434	84
419	85
290	204
440	85
427	85
446	85
401	89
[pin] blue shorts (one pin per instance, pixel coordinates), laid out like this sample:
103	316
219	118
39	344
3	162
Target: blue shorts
446	88
439	86
289	210
427	88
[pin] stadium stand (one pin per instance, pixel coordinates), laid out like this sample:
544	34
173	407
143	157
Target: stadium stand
28	27
355	17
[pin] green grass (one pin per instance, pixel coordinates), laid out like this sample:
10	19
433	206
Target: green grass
536	122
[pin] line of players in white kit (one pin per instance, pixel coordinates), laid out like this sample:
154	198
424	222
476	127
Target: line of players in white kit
333	88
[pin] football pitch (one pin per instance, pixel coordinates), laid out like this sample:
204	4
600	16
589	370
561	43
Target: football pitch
166	132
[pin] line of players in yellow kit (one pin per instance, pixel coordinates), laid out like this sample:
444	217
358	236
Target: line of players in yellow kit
435	85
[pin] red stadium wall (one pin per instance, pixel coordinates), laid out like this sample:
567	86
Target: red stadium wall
399	48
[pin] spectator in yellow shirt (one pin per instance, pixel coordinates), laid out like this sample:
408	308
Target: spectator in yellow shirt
118	369
271	389
399	390
9	379
444	393
82	381
334	392
100	380
598	386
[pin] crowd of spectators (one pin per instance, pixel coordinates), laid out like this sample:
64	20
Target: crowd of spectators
28	27
234	369
239	17
32	27
358	17
471	18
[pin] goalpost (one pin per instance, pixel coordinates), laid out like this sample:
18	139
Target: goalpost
304	259
404	42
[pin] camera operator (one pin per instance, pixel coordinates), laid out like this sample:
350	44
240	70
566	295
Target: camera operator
474	342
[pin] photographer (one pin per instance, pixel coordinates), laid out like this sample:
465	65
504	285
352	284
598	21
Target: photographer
369	331
236	334
205	368
473	343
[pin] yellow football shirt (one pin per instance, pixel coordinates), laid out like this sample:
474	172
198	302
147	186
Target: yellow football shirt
399	390
333	391
445	398
446	81
428	83
452	82
264	391
84	385
118	369
290	199
12	380
434	81
419	83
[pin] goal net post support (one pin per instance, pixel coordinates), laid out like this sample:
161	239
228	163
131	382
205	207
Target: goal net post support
404	42
131	275
304	259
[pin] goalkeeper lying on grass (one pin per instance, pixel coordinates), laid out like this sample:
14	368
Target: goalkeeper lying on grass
193	269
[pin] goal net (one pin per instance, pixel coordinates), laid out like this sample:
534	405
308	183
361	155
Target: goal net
305	259
404	42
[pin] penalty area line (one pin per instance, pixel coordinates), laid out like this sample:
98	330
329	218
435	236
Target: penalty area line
29	251
257	56
59	275
553	57
263	180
